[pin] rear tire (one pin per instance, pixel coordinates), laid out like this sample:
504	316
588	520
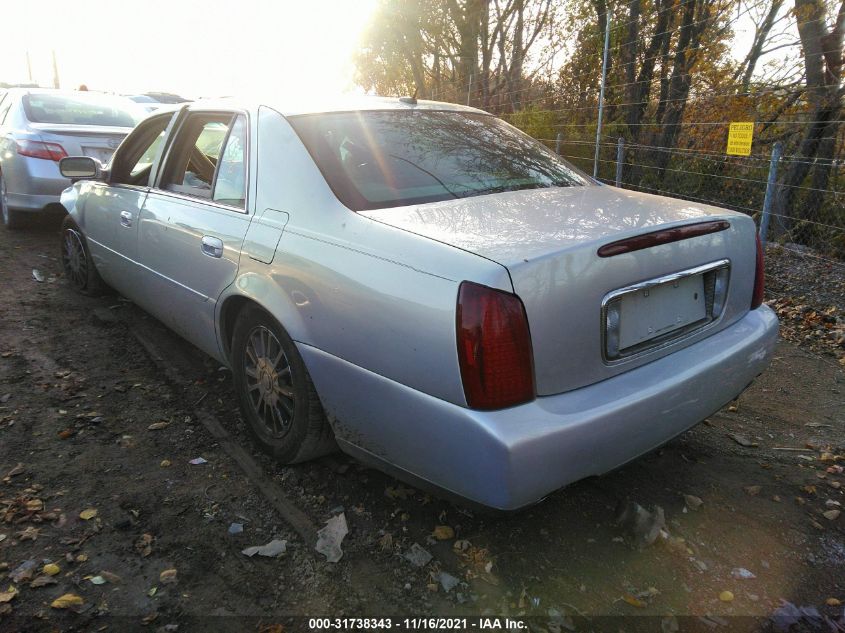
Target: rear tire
11	219
275	392
77	264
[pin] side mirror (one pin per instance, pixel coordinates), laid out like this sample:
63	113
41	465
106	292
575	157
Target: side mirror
80	168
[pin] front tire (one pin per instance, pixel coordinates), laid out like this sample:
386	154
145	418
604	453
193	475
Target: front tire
275	391
77	264
11	219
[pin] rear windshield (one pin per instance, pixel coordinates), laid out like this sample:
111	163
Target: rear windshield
81	110
380	159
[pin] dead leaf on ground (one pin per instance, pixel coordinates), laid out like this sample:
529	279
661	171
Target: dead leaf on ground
398	492
693	502
6	596
443	533
144	544
17	470
88	514
158	426
29	534
633	601
67	601
753	490
167	577
742	440
43	581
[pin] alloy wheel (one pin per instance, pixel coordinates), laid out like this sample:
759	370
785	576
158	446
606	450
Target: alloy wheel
74	259
269	381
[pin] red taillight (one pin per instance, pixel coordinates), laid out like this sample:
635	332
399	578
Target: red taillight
39	149
759	278
494	348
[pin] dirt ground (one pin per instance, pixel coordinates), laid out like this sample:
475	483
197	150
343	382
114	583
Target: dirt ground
78	396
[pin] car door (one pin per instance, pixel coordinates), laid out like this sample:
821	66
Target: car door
193	223
110	220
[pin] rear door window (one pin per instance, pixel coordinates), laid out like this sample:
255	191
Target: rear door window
208	159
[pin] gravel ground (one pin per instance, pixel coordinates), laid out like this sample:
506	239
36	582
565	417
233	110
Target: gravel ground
99	502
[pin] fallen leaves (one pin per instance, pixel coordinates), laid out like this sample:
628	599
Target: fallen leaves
831	515
6	596
51	569
167	577
693	502
29	534
742	440
144	544
87	515
752	490
443	533
67	601
726	596
158	426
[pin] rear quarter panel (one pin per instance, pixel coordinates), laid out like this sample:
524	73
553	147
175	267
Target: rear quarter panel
375	296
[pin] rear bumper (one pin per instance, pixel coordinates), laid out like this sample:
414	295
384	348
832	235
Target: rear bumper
33	183
511	458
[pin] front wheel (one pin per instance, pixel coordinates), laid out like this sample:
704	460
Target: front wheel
275	392
76	260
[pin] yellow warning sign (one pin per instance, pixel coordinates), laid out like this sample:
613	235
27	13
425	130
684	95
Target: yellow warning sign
740	136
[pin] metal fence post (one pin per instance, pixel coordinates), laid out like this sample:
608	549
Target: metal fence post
558	141
601	97
620	160
771	186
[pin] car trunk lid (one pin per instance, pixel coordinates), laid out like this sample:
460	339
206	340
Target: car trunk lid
97	141
669	294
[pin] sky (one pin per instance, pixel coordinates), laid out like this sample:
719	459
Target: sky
198	49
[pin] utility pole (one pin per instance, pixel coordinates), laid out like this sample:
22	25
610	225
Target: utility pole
56	83
28	67
601	97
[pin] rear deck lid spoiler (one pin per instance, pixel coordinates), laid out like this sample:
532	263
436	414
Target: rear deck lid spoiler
662	236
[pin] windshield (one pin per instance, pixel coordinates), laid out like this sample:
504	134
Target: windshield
380	159
82	110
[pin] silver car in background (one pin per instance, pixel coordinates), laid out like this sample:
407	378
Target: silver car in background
39	127
425	287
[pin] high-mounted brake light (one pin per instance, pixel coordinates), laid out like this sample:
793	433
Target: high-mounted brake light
39	149
759	278
494	348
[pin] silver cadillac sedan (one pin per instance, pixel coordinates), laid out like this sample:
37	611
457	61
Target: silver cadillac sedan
425	287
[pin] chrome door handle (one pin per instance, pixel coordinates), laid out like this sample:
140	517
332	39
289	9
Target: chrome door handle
212	246
125	218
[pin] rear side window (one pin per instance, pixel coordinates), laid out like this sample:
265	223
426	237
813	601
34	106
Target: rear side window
230	186
81	110
380	159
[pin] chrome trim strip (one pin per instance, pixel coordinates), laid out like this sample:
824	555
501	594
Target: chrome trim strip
155	272
650	283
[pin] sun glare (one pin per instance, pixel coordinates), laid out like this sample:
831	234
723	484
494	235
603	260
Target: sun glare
210	49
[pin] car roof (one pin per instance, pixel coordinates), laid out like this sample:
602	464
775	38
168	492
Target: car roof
299	107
